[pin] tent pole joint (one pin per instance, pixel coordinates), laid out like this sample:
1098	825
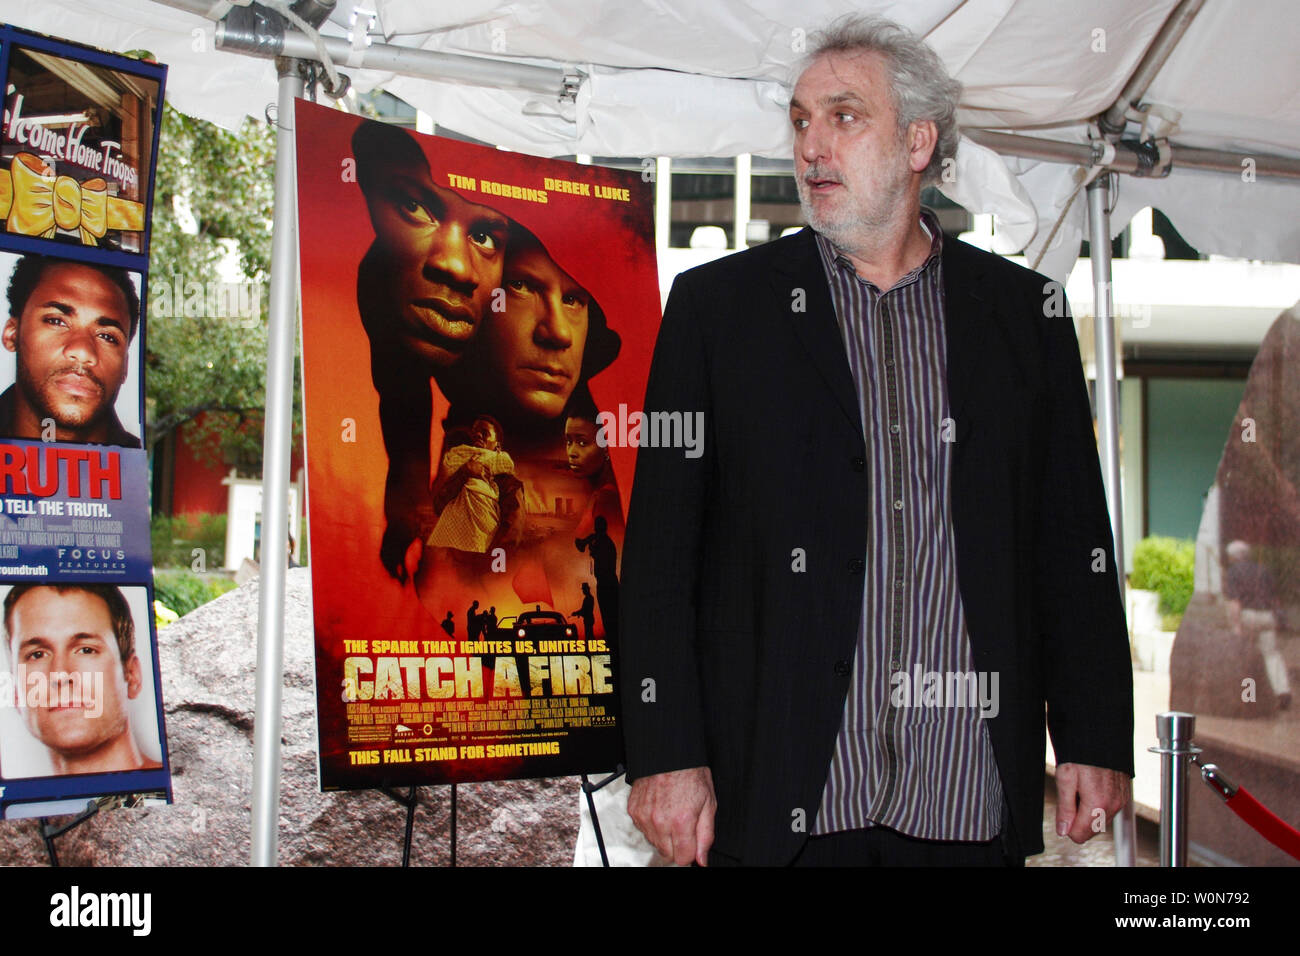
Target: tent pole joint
569	86
1154	158
253	29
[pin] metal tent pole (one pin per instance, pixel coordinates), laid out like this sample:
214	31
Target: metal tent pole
276	450
1126	160
1171	31
1107	391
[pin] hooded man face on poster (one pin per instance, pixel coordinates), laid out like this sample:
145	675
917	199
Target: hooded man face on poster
541	341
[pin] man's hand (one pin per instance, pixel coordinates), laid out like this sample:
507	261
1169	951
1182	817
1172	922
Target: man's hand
675	812
1081	790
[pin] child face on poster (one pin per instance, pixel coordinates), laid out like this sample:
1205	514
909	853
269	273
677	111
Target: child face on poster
586	456
485	435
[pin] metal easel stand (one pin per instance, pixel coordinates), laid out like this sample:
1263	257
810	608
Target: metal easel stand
287	32
412	800
589	789
49	831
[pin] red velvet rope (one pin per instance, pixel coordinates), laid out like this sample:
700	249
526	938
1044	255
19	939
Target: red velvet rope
1271	827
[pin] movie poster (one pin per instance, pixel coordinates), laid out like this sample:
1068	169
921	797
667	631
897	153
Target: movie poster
476	326
80	696
77	148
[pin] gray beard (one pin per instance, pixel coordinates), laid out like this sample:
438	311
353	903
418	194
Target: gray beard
840	234
844	236
851	230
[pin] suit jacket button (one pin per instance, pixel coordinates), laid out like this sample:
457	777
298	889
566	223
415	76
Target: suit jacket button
859	464
842	669
857	565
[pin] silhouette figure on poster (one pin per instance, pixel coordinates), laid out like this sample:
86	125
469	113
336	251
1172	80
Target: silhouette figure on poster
604	559
587	613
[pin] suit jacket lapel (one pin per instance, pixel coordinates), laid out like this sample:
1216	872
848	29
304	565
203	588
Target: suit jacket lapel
968	322
805	298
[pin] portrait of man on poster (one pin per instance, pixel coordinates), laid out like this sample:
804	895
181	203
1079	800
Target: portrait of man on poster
70	329
422	290
75	673
536	354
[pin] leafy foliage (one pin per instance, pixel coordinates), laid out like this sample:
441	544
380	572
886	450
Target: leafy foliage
1165	565
174	540
212	222
183	591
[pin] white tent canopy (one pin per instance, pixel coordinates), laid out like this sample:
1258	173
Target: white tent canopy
679	78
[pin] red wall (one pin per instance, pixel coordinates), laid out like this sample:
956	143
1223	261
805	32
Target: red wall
196	482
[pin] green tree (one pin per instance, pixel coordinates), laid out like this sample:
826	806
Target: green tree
213	201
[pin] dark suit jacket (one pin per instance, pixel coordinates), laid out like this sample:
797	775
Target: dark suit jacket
733	659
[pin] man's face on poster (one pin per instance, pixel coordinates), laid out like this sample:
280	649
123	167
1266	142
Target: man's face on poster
535	347
444	256
70	342
67	639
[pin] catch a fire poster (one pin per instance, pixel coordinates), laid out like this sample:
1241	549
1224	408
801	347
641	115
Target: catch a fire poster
476	326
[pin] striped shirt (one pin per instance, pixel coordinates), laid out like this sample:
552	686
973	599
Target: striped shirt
913	752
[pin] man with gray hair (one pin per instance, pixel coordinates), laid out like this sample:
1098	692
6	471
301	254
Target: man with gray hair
899	512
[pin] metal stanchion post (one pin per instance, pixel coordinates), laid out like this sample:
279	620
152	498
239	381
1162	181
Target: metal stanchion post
1174	730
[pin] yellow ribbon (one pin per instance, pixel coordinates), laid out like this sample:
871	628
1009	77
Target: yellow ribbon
34	202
